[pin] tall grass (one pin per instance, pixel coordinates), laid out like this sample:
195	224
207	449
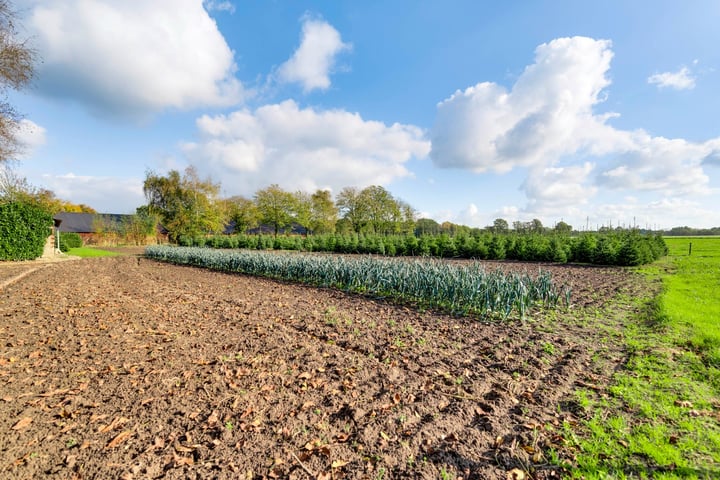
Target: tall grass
463	289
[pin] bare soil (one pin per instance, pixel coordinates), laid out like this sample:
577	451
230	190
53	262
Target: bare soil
127	368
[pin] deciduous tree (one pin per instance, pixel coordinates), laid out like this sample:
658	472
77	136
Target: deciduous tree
352	208
302	209
500	225
243	212
17	61
186	205
409	216
14	188
427	226
323	215
276	207
562	227
384	215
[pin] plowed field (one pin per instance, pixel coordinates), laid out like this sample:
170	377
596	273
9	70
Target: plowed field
128	368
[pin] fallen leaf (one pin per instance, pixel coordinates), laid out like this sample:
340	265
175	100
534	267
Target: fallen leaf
342	437
247	412
339	463
22	460
213	419
180	461
313	444
515	474
22	423
182	448
113	425
119	438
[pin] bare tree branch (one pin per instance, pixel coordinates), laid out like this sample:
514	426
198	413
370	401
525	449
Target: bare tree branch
17	67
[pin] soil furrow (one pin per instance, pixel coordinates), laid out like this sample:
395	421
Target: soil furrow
127	368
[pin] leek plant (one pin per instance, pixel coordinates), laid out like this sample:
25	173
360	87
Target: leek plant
460	288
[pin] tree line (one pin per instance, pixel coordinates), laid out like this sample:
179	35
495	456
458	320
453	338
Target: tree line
189	206
686	231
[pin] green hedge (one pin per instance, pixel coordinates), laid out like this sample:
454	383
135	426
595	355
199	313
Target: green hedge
24	229
70	240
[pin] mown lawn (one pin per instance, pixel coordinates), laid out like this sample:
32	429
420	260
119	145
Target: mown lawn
90	252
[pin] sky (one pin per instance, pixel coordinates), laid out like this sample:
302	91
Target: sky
591	113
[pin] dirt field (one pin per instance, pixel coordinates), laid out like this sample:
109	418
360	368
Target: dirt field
126	368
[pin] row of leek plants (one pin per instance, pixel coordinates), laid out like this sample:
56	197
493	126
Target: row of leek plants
460	288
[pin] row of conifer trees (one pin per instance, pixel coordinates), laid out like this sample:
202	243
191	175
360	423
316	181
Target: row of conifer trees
624	248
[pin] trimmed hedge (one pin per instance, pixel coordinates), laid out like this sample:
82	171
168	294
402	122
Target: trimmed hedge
24	229
70	240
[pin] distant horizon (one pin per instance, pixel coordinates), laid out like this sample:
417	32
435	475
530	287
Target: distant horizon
468	112
597	228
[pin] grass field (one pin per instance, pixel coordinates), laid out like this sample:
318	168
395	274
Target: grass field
662	419
90	252
692	293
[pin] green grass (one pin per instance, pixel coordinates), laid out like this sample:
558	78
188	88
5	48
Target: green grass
692	293
661	418
91	252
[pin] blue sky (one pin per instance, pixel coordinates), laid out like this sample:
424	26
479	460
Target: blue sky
588	112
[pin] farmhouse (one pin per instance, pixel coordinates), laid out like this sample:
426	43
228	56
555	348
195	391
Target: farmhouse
92	227
101	228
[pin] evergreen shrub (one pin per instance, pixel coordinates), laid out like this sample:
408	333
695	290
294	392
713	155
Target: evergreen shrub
70	240
24	228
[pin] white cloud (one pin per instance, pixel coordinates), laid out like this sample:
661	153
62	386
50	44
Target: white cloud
543	117
680	80
220	6
669	166
302	149
104	194
314	60
665	212
553	189
474	216
29	136
133	58
547	118
471	216
713	157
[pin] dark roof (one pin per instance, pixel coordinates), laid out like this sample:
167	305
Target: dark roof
87	222
265	229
